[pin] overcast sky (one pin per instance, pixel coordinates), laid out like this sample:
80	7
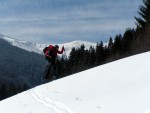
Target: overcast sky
59	21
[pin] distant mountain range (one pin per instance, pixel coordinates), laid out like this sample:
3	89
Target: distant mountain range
38	48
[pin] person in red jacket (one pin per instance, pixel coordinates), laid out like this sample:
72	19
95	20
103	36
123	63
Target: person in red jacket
51	55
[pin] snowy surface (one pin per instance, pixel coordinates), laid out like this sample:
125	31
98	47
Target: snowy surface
122	86
38	48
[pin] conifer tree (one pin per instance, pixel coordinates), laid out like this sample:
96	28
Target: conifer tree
71	61
92	58
110	43
144	12
142	43
100	53
117	47
127	41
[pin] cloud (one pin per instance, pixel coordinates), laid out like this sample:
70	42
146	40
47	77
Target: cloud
68	19
68	29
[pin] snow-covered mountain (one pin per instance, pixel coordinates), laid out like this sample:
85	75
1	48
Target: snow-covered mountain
38	48
122	86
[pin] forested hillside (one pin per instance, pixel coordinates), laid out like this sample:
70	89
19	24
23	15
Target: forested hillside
19	69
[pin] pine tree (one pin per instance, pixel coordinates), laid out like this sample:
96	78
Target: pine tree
142	43
100	53
86	59
109	47
127	41
92	58
117	47
110	43
81	50
71	61
144	12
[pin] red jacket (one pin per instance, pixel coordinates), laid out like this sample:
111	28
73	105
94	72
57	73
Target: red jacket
51	52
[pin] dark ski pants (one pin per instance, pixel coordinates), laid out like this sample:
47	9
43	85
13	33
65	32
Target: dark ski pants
52	66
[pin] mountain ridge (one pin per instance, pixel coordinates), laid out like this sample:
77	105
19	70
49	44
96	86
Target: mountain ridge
38	48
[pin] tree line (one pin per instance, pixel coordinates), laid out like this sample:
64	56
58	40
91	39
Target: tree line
133	41
81	59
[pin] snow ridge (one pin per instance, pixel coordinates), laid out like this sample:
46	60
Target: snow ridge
56	106
38	48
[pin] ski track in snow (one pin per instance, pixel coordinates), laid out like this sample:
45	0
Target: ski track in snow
56	106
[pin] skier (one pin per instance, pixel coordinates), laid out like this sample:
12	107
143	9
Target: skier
51	55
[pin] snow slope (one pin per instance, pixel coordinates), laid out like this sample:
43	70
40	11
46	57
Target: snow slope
122	86
38	48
